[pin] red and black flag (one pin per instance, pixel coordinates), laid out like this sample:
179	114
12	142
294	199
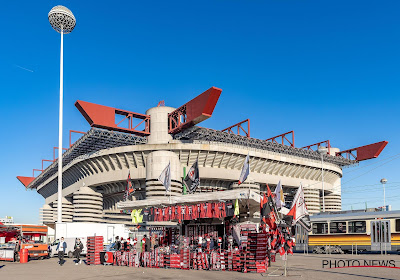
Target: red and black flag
130	185
129	188
299	210
126	193
192	179
267	209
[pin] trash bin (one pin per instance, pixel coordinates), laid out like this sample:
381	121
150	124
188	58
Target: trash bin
23	255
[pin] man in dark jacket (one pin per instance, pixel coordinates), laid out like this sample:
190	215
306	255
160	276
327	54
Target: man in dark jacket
78	250
148	244
117	244
62	245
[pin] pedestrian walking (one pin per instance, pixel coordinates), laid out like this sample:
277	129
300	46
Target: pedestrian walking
61	247
78	250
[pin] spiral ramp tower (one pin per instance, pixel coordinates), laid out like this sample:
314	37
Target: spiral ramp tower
67	210
311	197
333	202
88	205
46	214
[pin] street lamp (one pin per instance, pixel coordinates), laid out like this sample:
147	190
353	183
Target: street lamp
322	151
383	182
63	21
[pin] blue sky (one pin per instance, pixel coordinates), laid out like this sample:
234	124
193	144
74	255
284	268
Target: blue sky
325	69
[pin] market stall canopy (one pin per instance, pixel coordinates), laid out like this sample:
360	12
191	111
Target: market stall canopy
244	195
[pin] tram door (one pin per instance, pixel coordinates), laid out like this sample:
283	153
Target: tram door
301	239
381	235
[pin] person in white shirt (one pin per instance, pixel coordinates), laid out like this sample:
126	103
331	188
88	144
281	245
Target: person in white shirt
62	245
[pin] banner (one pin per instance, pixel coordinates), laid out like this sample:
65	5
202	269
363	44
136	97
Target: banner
245	170
299	210
165	177
279	198
192	179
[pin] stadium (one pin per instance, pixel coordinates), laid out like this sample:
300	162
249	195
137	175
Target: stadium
96	167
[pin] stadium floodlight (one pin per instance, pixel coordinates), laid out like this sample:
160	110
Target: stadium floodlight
63	21
383	182
322	151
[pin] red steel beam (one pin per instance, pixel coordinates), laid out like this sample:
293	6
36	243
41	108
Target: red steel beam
48	160
239	128
25	180
70	133
327	142
283	138
104	117
33	171
54	152
364	152
195	111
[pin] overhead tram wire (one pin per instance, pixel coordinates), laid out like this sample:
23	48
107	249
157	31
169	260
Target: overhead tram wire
369	171
374	200
341	185
375	162
388	158
364	193
369	189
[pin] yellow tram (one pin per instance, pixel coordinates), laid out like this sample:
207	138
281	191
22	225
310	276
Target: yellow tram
375	231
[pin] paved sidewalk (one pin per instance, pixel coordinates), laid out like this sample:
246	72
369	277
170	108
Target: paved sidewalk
304	266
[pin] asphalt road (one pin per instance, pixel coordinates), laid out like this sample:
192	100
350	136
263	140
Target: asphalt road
299	267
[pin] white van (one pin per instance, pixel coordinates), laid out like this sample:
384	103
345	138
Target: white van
70	247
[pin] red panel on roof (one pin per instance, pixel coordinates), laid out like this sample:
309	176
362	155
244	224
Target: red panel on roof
195	111
25	180
364	152
104	117
370	151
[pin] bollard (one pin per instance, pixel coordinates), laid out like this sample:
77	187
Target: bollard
23	255
356	250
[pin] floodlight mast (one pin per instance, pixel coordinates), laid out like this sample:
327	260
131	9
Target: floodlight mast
63	21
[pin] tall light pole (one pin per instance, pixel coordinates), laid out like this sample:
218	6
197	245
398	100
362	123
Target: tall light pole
63	21
383	182
322	151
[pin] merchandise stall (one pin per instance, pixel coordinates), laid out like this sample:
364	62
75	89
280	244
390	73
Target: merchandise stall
207	231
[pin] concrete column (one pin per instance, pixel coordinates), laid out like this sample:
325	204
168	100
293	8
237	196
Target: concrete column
156	163
159	125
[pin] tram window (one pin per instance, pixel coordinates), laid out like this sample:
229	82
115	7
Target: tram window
357	227
338	227
320	228
398	225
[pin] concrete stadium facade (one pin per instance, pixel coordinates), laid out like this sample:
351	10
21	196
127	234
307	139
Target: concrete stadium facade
96	167
94	183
